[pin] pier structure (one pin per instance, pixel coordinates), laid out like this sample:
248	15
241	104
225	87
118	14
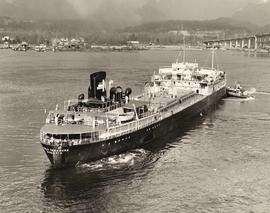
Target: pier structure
259	41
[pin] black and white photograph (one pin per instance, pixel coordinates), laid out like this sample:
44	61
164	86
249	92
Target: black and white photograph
126	106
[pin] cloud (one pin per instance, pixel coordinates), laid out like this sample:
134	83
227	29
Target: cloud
131	11
37	9
85	7
120	13
117	13
256	13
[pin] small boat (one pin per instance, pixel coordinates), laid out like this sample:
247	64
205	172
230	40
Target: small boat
237	91
128	116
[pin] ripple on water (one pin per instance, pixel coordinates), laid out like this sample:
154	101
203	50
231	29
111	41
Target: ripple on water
220	163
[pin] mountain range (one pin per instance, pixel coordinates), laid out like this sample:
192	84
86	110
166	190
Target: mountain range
222	24
69	17
228	25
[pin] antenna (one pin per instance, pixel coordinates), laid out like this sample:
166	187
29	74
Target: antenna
184	43
179	54
184	51
213	58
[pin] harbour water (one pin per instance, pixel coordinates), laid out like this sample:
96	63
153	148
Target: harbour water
219	162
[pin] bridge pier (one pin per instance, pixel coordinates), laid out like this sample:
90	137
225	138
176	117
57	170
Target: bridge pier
249	43
236	43
227	43
255	42
259	41
243	43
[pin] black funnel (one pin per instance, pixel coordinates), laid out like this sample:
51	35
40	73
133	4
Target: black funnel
95	89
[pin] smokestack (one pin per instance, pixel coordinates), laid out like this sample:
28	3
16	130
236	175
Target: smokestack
97	83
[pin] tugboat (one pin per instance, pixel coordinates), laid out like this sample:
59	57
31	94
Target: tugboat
109	121
237	91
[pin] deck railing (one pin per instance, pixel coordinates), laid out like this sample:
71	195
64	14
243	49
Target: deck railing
146	119
105	108
142	121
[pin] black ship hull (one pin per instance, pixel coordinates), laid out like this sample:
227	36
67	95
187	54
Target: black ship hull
72	155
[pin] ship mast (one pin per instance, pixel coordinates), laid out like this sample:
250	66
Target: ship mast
213	58
184	50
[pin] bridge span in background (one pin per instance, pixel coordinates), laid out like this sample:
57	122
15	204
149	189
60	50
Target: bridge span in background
259	41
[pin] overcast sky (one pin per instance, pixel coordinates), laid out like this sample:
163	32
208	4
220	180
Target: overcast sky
180	9
124	12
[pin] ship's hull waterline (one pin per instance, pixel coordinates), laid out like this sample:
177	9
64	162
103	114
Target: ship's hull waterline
73	155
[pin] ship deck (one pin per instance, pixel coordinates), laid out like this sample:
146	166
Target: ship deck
76	128
165	99
70	129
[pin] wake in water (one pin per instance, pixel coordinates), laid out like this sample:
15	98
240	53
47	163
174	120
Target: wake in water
251	91
208	124
263	92
240	99
120	161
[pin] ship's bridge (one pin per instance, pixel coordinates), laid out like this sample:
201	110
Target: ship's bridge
178	68
184	65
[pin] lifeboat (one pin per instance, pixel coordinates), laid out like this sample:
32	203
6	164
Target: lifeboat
124	117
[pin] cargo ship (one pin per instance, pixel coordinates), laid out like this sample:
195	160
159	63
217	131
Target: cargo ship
110	121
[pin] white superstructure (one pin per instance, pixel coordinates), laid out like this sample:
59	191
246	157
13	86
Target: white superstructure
185	76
